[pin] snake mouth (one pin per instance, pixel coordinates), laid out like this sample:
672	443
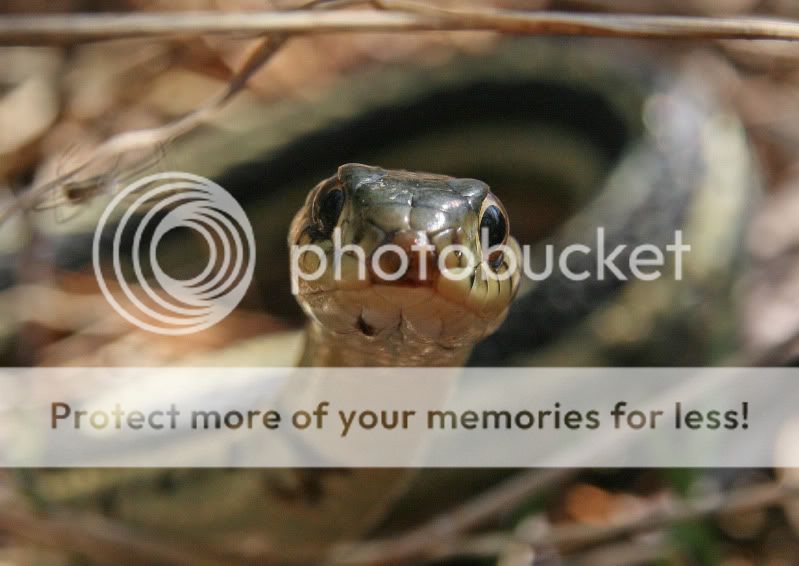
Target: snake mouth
405	313
405	259
436	309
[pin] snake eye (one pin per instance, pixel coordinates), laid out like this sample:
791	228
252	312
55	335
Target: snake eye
329	203
494	223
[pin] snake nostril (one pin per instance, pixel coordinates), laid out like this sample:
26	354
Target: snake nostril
364	327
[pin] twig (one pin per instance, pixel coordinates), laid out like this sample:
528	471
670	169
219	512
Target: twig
629	553
146	138
101	540
606	25
402	15
399	15
743	499
440	544
421	542
72	28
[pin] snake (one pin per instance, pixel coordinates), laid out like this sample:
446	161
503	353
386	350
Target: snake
571	135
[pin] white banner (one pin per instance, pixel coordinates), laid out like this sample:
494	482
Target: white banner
399	417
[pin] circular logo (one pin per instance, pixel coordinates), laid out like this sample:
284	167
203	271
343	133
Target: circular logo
155	205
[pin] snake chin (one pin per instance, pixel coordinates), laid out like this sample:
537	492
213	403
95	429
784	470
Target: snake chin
404	314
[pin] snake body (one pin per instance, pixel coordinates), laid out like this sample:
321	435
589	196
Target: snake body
570	136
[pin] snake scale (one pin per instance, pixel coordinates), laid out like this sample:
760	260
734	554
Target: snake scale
570	135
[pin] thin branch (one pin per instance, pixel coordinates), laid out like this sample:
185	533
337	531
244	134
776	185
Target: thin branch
148	138
421	541
401	15
70	28
398	16
629	553
101	540
441	545
119	144
740	500
604	25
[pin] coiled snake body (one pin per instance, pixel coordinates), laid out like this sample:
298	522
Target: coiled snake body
571	137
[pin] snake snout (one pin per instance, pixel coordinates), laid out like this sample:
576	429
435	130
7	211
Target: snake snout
406	258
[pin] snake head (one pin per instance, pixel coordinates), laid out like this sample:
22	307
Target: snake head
362	221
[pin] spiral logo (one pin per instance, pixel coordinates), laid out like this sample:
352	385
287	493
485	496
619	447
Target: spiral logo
154	205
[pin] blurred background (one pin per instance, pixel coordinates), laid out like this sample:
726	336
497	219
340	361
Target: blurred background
291	126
